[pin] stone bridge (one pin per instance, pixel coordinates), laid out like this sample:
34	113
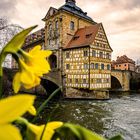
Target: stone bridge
120	79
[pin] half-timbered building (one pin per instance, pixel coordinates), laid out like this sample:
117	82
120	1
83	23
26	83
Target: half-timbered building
87	59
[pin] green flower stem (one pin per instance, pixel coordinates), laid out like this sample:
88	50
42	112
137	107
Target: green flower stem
21	120
45	102
2	57
1	83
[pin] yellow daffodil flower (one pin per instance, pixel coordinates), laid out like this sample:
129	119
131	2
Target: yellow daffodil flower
32	68
37	132
10	109
36	58
25	77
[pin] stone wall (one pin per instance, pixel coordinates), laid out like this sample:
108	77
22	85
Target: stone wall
86	94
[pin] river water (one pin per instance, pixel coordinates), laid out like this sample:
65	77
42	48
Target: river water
119	115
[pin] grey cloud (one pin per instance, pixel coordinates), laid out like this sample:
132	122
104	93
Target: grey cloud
7	7
129	4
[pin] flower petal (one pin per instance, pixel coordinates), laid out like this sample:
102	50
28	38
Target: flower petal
49	131
14	106
9	132
26	74
16	82
35	50
35	83
54	125
32	110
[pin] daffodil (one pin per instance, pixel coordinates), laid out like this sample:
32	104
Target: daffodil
12	108
35	132
36	58
25	77
32	66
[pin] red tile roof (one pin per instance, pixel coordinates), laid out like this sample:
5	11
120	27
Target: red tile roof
83	37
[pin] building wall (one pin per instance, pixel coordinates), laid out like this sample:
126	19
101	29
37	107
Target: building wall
67	32
57	38
125	66
64	33
81	71
76	74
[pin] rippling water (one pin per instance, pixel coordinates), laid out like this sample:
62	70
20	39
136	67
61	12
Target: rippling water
119	115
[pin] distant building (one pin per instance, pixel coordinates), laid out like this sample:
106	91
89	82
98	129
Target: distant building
123	63
137	69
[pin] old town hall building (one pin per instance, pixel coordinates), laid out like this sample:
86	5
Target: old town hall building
81	51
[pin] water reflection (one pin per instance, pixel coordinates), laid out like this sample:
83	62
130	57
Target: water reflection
118	115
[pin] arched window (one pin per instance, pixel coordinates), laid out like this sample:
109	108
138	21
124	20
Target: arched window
50	30
102	66
53	61
56	25
72	25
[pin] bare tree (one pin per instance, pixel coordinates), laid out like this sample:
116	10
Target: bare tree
7	31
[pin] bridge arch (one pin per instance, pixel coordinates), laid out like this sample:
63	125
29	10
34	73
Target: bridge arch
115	83
53	61
122	77
50	86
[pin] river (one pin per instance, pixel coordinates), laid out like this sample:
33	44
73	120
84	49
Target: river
119	115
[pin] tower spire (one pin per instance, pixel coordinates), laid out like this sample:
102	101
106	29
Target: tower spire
70	1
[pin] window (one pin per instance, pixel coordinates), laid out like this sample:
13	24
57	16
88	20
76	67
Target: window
94	53
98	80
85	66
67	66
76	81
108	67
107	55
75	37
49	42
56	41
50	30
56	25
70	80
97	44
96	66
101	54
85	53
102	66
88	35
72	25
50	27
107	80
92	66
84	81
67	55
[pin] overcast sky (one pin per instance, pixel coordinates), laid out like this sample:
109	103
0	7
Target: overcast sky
120	18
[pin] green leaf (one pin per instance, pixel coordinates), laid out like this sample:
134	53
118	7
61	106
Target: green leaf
17	41
78	132
118	137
